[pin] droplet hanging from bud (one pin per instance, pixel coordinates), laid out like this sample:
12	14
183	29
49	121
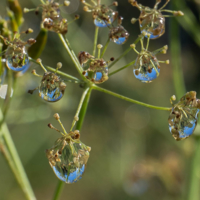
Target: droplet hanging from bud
184	116
68	159
103	16
152	23
95	69
118	35
51	18
16	55
52	88
146	67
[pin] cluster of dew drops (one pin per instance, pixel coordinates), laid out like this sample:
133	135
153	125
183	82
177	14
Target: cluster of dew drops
68	156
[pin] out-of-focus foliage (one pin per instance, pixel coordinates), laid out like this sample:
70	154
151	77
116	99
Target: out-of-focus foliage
133	153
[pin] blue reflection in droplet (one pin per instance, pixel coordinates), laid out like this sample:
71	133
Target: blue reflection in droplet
147	77
187	131
67	177
151	35
98	76
51	96
101	23
9	64
120	40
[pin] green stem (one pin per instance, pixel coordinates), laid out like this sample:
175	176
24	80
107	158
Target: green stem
95	40
193	193
71	53
8	158
105	47
131	63
79	124
129	99
57	71
76	117
175	48
15	157
83	110
127	51
58	191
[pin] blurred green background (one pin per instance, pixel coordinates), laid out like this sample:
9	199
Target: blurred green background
133	153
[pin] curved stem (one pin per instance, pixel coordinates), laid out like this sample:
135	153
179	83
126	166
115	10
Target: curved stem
129	99
71	53
127	51
58	191
57	71
76	117
95	40
118	70
18	165
105	47
79	124
83	110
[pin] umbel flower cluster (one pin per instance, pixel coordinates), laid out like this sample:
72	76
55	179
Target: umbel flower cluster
68	156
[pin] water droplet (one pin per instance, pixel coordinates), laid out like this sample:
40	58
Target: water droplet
103	16
17	59
152	23
68	159
183	117
51	88
118	35
95	69
52	20
146	67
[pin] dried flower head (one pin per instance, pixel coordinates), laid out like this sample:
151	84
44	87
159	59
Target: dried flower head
151	20
95	69
68	156
184	115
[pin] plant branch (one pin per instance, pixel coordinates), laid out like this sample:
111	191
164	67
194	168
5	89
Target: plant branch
129	99
126	52
15	157
71	53
76	117
79	124
95	40
120	69
57	71
58	191
105	47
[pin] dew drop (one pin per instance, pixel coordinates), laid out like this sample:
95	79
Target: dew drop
68	160
183	117
103	16
146	67
152	23
118	35
17	60
51	88
52	20
95	69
